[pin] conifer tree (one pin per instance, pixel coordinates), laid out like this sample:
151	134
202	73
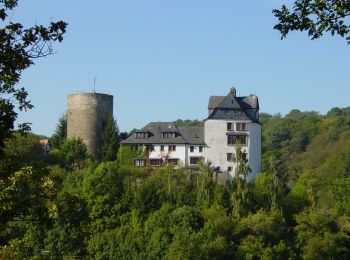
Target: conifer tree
60	133
110	140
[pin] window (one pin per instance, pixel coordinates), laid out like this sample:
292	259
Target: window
191	148
236	139
155	162
168	135
150	148
245	158
162	148
141	135
194	160
229	126
139	162
173	161
172	148
230	157
201	149
241	127
229	169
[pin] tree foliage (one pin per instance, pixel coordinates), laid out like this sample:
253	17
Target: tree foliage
60	133
19	47
189	123
297	209
316	17
74	153
110	140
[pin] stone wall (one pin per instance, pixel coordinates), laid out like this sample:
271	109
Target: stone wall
86	117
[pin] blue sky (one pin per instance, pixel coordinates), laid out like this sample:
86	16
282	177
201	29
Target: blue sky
163	59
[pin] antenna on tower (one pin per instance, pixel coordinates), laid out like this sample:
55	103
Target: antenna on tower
95	84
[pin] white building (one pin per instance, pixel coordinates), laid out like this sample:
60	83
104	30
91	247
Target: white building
232	121
164	142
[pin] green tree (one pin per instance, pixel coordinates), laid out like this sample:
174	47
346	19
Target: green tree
261	191
19	47
127	154
67	235
277	181
110	140
205	184
157	232
150	195
20	150
239	196
102	187
60	133
188	123
316	17
320	235
340	194
74	152
261	235
24	194
347	166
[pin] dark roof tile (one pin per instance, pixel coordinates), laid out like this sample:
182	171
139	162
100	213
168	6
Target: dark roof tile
183	135
232	107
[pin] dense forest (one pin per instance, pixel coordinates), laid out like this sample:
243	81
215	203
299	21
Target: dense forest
65	205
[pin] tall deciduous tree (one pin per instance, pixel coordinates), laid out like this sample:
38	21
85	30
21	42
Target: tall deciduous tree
110	140
19	47
205	184
277	181
316	17
239	197
74	152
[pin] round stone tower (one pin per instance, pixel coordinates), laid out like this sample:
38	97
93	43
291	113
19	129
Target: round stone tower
86	117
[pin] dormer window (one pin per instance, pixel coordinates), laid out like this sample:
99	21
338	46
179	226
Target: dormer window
168	135
142	135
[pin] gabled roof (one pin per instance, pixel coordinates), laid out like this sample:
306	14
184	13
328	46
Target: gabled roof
233	107
183	135
246	102
214	101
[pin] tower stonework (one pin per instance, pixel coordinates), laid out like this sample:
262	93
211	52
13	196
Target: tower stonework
86	117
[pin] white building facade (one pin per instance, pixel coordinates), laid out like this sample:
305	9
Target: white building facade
232	122
166	143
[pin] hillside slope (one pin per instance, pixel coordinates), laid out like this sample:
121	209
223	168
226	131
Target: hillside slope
312	146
